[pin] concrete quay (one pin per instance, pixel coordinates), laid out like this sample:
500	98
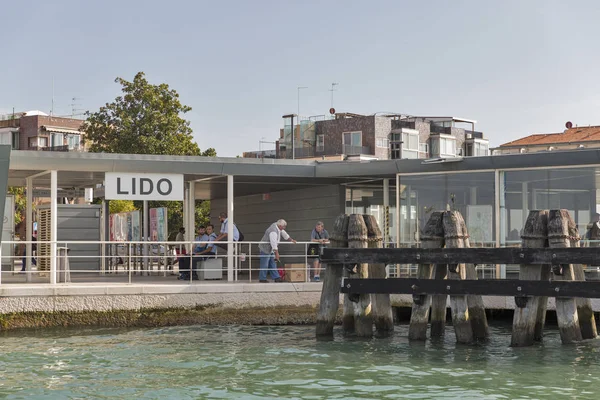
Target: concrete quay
147	304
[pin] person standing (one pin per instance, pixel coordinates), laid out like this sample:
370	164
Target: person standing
318	237
223	233
269	250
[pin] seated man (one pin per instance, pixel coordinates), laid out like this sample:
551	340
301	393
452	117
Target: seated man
202	251
209	249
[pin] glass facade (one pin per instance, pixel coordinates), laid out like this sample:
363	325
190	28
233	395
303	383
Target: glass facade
495	204
368	199
470	193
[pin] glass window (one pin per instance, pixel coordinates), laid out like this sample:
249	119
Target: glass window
382	142
16	137
573	189
470	193
352	138
57	139
73	141
320	142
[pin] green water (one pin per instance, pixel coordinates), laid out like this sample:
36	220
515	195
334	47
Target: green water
287	362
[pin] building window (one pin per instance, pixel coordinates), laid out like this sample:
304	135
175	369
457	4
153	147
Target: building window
38	141
320	142
352	139
58	140
382	142
443	146
15	140
405	144
480	149
73	142
352	142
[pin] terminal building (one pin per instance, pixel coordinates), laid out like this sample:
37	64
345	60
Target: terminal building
494	194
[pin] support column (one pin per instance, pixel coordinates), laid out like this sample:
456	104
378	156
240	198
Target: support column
146	237
186	211
398	205
191	228
29	227
230	222
386	211
53	225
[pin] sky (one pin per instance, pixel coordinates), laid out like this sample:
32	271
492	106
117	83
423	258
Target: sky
516	67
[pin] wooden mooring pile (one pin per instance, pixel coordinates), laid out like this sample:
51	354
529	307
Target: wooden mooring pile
550	261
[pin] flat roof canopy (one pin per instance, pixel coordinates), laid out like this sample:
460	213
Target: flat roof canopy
251	176
254	176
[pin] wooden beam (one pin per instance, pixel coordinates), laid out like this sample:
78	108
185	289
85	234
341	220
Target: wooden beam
486	287
505	255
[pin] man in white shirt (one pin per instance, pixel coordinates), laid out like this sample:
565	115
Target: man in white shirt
269	250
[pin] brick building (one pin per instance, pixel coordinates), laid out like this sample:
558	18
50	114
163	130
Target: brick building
570	139
35	130
381	137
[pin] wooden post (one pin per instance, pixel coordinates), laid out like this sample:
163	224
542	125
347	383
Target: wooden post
560	236
432	237
382	307
453	234
587	321
357	239
332	277
530	312
481	331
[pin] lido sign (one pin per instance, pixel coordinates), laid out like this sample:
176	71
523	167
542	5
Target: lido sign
122	186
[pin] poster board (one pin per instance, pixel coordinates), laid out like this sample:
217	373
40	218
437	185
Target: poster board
125	227
158	224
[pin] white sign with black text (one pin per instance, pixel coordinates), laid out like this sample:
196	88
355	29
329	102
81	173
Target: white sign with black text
126	186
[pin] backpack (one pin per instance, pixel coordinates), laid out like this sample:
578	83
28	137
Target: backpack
241	239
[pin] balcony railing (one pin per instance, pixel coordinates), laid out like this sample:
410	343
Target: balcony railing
56	148
356	150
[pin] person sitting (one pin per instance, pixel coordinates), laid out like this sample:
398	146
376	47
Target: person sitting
202	251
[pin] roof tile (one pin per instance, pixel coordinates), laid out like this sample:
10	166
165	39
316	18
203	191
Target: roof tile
577	134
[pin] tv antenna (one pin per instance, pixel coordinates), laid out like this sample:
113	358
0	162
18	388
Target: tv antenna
333	85
74	105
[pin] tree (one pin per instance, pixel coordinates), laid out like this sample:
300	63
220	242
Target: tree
119	206
20	203
145	119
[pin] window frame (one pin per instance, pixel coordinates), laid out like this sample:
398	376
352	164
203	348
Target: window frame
320	142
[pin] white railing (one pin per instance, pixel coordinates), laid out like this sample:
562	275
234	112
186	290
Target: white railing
156	262
128	262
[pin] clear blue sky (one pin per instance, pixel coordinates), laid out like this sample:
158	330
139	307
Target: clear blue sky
517	67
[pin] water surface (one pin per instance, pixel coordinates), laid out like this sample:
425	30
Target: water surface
287	363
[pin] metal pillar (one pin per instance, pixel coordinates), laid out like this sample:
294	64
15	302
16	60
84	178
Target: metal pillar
53	225
146	237
191	228
29	227
386	210
230	223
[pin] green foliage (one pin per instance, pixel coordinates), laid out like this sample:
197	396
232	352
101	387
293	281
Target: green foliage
145	119
20	203
119	206
210	152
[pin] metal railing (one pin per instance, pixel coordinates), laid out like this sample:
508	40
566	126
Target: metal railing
356	150
159	263
128	262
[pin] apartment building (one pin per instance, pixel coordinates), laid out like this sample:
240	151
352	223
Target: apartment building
570	139
36	130
389	136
